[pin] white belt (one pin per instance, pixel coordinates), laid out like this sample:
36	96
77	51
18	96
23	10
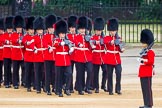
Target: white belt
1	47
98	51
53	47
9	46
18	46
63	53
82	48
28	49
114	52
40	49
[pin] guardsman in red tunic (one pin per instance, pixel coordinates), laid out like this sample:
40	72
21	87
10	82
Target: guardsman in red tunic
38	52
146	69
114	46
28	42
49	53
72	24
17	53
62	58
98	54
1	48
7	47
83	57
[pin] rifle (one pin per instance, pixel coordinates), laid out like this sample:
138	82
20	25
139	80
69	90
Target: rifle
145	50
118	42
87	38
70	45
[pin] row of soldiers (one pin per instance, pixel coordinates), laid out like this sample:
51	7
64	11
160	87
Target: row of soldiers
47	49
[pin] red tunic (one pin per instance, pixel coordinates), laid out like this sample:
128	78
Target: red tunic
7	46
82	54
62	55
38	44
48	42
146	68
17	52
98	54
1	47
72	37
28	54
112	55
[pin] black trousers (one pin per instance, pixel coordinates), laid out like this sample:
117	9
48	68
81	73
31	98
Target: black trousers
80	75
49	70
62	71
7	71
29	74
16	65
118	70
22	72
146	86
72	67
39	70
96	75
1	71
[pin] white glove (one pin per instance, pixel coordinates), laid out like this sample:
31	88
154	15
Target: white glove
32	41
93	46
28	43
81	45
71	50
35	51
19	41
50	50
7	42
62	43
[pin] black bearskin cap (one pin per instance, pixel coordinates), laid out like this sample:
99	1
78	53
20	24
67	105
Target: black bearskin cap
72	21
89	24
2	23
147	36
112	24
61	27
9	22
29	22
50	20
83	22
99	23
38	23
19	21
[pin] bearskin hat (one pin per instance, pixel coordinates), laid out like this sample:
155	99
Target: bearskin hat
147	36
9	22
112	24
61	27
99	23
83	22
59	18
2	23
89	24
29	22
19	21
72	21
50	20
39	23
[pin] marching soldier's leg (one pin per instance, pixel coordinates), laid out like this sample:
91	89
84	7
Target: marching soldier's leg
118	70
22	64
110	69
15	74
28	76
1	64
104	77
48	73
89	67
68	74
7	72
71	85
96	77
53	80
80	68
38	73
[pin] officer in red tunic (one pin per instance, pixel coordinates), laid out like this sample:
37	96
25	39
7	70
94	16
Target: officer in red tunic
1	48
49	53
17	53
28	42
62	60
112	57
72	24
38	52
98	54
146	69
7	51
83	57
